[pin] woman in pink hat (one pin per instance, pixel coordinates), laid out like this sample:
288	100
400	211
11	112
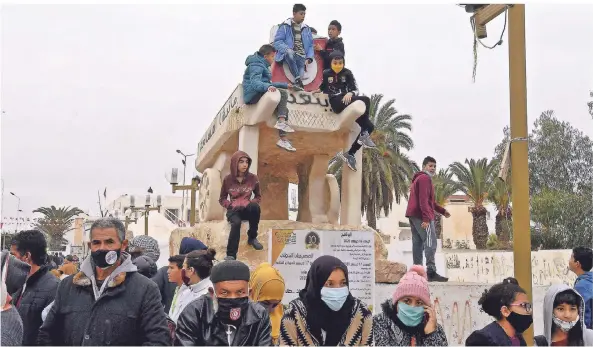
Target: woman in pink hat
409	318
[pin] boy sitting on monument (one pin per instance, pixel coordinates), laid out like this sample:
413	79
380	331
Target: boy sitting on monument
257	80
340	86
334	43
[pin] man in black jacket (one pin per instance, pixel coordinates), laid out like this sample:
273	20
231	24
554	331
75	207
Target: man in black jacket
340	86
225	317
334	43
108	302
40	287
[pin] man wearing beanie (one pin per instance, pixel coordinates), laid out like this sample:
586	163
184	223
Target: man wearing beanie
225	316
409	319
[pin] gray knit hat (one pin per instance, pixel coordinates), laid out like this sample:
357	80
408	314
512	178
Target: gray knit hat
230	270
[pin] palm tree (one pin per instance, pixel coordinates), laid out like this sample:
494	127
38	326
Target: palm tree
476	180
386	171
500	196
444	187
56	222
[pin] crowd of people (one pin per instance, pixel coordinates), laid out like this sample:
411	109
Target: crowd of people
198	301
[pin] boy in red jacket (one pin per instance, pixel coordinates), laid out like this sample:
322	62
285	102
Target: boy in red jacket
235	196
420	212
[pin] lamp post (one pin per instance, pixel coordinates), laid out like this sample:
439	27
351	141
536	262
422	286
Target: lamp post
18	210
184	162
146	210
193	187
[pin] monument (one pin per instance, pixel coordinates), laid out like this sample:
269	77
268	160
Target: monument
320	134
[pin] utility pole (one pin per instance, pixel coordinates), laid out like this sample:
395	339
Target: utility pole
146	209
519	140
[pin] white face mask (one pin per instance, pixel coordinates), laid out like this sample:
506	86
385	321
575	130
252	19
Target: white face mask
564	325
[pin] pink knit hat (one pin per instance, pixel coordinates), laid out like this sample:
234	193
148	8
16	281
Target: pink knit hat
414	283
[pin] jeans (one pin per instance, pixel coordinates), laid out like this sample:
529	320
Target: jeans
424	240
296	64
281	109
363	121
250	213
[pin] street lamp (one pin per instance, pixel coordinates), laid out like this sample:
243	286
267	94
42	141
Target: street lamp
193	187
183	199
18	210
146	210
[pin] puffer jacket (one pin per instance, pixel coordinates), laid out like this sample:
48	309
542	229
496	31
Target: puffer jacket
199	326
257	77
388	331
127	313
39	291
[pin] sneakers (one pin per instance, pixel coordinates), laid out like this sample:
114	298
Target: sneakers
230	257
285	144
348	159
365	140
282	125
255	244
435	277
299	83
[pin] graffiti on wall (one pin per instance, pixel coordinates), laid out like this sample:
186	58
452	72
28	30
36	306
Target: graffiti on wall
306	98
231	103
547	267
456	321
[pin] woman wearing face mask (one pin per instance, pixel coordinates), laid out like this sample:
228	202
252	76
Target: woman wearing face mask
266	286
409	318
508	303
196	282
563	323
325	313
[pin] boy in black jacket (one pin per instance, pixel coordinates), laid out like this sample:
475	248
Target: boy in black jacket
334	43
340	86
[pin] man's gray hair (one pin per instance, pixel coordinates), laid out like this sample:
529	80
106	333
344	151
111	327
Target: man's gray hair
109	222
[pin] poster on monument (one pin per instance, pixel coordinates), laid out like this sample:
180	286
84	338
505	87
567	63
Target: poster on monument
293	251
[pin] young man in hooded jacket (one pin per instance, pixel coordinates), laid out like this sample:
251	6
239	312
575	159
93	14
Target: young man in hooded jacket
257	81
235	196
420	212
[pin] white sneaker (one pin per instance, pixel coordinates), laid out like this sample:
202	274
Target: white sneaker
283	143
284	127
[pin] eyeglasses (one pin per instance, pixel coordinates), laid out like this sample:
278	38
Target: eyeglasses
526	305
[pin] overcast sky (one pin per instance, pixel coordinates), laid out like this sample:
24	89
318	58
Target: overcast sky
101	96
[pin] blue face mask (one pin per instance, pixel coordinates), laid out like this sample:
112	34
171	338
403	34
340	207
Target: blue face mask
410	315
334	298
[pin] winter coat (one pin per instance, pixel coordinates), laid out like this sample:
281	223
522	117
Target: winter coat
17	272
341	83
421	203
199	326
388	332
127	313
239	192
166	288
584	286
12	327
549	312
332	45
187	294
492	335
39	291
284	40
294	330
257	77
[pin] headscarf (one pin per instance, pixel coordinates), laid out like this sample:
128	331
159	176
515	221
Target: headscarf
267	283
189	244
149	245
319	316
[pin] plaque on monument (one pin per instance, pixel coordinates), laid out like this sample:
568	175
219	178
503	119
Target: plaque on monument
293	251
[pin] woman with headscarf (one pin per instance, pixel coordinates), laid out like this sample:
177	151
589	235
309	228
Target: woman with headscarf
266	286
325	313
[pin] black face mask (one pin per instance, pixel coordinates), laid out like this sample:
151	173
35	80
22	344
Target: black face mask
520	322
230	311
104	258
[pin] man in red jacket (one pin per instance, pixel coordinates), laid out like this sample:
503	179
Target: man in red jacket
235	197
420	212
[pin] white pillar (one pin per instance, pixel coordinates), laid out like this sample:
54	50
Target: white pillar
317	189
351	186
249	143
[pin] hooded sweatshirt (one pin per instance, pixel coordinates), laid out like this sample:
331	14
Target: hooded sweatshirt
335	44
239	192
88	268
257	77
17	272
584	285
549	312
421	202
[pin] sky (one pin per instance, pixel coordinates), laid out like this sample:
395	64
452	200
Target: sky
101	96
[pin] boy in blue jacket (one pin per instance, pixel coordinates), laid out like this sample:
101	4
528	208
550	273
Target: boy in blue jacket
581	263
257	80
294	42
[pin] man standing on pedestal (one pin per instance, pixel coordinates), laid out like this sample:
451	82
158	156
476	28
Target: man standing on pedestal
420	211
